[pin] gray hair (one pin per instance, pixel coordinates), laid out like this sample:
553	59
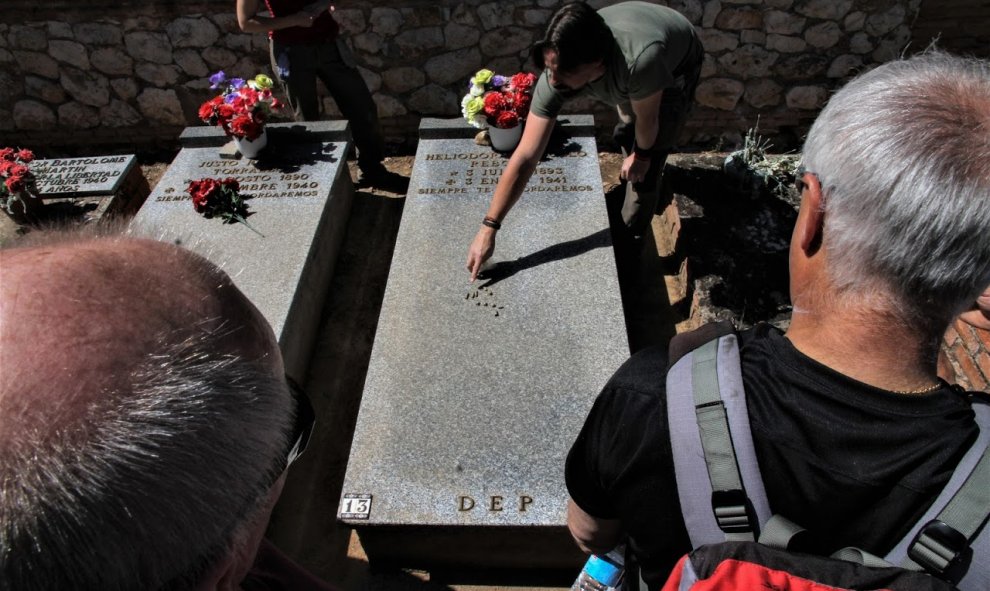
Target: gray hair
903	156
148	489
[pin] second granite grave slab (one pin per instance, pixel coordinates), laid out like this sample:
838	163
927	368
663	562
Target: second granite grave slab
475	393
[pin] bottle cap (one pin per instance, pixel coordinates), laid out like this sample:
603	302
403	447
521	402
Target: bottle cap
603	570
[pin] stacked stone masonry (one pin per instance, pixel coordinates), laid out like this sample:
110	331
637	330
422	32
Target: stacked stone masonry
968	352
135	71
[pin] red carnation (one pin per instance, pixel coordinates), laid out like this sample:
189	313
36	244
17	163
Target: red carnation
206	111
521	101
506	120
6	153
25	155
495	103
225	111
201	192
522	81
5	166
246	127
231	183
200	201
17	170
15	184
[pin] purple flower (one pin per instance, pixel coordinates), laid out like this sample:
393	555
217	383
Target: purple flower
499	81
230	98
217	79
236	82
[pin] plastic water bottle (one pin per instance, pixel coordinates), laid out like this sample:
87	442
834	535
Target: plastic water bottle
602	573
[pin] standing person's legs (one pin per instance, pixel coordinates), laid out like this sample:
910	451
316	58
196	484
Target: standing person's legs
349	90
641	198
295	69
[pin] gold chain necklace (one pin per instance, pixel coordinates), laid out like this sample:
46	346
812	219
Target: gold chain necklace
921	391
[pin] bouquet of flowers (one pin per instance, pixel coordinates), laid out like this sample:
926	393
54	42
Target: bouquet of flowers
219	198
497	101
17	193
243	107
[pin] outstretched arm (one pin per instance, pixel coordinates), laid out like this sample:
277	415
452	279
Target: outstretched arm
647	113
251	22
510	187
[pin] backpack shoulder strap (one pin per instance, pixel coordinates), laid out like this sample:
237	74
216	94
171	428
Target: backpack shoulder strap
954	529
722	498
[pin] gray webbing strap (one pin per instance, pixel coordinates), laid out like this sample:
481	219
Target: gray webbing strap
860	557
713	426
970	485
968	510
778	532
936	547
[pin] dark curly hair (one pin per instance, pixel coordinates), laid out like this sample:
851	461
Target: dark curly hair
578	34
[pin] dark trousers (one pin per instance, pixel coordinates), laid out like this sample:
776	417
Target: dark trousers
641	198
332	65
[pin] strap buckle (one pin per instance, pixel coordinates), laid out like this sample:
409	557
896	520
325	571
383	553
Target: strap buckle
732	511
938	548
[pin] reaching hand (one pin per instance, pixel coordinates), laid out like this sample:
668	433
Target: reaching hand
633	169
481	250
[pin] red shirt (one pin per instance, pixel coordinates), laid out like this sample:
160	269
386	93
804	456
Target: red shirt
324	27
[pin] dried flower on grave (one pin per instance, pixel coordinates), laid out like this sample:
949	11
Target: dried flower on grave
17	183
243	106
220	198
497	101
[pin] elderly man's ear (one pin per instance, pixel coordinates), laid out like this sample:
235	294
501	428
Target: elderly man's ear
228	574
810	224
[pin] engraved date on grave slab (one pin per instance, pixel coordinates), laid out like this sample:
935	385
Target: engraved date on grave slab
482	172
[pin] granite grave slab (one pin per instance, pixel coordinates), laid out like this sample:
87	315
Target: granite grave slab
299	195
90	187
475	392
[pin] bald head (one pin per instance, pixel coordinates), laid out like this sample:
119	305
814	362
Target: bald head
143	412
103	304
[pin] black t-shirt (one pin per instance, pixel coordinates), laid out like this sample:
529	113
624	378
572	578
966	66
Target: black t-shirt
855	465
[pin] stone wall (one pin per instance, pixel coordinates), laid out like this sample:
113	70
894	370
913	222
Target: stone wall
134	71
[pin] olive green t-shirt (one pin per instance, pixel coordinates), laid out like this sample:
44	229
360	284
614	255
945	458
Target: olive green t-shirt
650	42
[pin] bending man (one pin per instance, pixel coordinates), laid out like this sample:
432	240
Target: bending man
643	58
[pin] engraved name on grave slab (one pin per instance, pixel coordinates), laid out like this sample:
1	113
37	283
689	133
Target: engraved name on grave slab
90	187
299	195
475	393
98	175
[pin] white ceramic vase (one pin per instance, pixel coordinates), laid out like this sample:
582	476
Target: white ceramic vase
505	140
251	148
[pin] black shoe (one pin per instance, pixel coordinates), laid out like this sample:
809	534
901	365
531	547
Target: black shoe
381	178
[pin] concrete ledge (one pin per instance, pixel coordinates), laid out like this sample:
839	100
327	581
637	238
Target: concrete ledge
456	128
208	136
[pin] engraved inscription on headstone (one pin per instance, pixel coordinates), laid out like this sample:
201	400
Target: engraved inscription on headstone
254	183
480	172
299	197
91	187
475	392
97	175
